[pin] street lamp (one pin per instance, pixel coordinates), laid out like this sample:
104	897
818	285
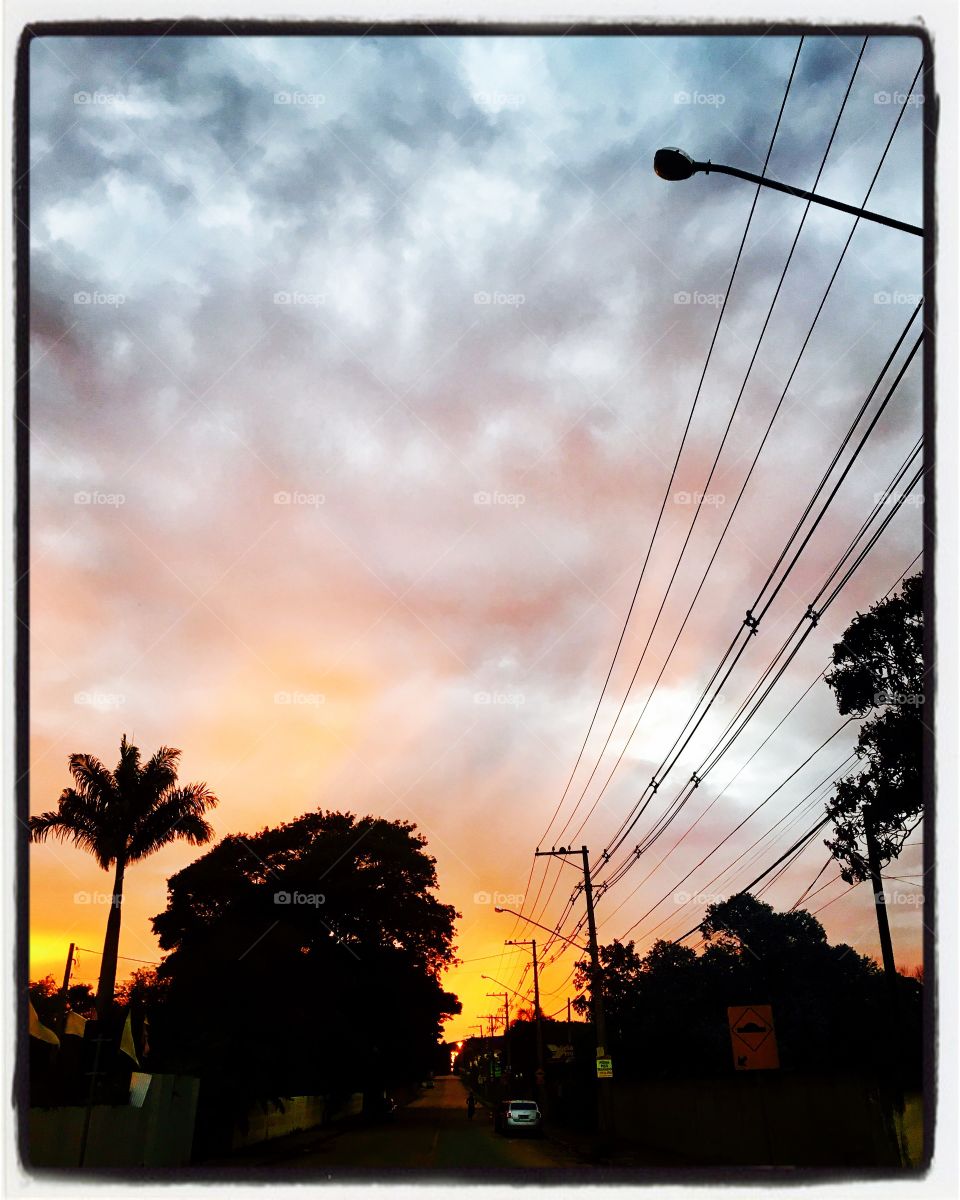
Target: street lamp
552	932
674	165
500	983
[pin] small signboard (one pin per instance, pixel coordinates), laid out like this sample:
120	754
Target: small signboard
540	1075
561	1053
753	1038
604	1068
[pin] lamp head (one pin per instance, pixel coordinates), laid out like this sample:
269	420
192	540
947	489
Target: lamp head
673	164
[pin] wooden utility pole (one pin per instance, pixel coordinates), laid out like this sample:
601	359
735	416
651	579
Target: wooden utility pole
879	902
605	1117
889	974
538	1015
67	971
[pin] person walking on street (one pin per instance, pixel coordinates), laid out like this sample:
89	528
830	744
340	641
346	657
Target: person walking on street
471	1107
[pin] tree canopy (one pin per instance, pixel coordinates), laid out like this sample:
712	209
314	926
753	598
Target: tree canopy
667	1008
878	669
304	959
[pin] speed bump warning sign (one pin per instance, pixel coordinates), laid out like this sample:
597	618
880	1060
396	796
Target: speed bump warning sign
753	1038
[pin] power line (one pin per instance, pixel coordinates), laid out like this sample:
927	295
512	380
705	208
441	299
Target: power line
749	815
753	883
631	820
630	862
752	622
706	486
812	614
673	472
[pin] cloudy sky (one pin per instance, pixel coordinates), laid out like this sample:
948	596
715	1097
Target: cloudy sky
359	367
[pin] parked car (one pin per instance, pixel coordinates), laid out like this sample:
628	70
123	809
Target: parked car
518	1116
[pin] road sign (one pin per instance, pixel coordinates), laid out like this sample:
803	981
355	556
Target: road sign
604	1068
753	1038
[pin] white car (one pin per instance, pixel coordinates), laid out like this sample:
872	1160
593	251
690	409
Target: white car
518	1116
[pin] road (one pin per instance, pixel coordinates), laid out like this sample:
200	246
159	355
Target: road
430	1133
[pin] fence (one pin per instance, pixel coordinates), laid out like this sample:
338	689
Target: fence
158	1134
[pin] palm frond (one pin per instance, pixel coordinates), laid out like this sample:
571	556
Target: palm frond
158	776
92	778
179	814
127	772
75	821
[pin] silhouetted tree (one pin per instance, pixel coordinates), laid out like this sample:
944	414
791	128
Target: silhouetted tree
304	959
878	669
45	997
121	817
667	1009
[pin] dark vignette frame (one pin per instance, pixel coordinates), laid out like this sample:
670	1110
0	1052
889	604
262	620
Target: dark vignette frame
762	1176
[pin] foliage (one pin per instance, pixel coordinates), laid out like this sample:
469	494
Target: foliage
304	959
878	669
667	1009
45	996
130	812
121	817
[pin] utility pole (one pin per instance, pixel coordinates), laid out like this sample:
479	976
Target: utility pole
889	970
879	902
605	1118
506	1025
480	1057
536	1011
491	1017
67	971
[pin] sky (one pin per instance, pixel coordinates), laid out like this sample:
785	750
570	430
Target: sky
359	366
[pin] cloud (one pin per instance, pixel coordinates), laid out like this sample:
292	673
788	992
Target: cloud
430	291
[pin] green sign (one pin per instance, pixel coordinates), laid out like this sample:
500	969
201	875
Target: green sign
604	1068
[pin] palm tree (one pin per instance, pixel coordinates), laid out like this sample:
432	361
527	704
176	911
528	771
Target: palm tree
122	816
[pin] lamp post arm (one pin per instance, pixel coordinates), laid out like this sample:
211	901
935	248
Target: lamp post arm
721	169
